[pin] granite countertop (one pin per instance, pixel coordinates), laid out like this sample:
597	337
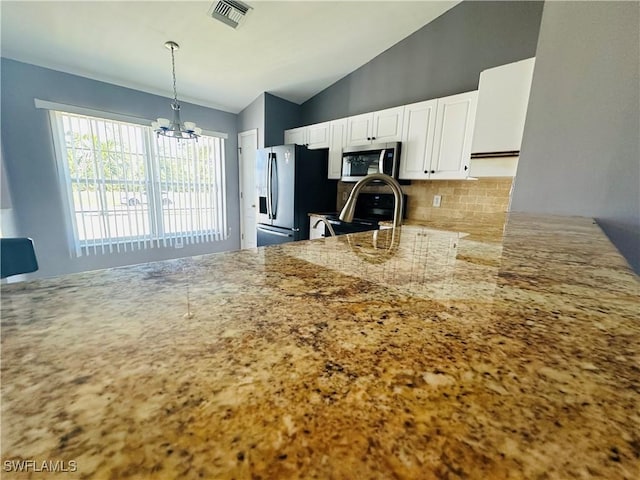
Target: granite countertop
487	228
407	353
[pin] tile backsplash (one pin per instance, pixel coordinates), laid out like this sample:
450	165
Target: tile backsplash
459	198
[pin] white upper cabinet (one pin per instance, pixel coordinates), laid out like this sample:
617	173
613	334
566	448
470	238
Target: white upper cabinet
376	127
503	96
436	136
436	139
312	136
359	129
417	139
455	119
387	125
296	135
318	135
439	135
331	135
337	141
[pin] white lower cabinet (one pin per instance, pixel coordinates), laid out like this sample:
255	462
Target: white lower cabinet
316	227
436	140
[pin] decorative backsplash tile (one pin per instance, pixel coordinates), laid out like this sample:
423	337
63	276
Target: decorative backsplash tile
459	198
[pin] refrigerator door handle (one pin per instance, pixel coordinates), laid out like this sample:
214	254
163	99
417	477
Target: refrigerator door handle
274	204
271	232
269	187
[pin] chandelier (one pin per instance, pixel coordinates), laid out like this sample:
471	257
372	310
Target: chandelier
175	128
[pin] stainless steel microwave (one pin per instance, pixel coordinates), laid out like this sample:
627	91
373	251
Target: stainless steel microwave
358	162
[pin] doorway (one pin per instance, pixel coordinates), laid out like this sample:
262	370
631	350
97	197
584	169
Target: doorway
247	146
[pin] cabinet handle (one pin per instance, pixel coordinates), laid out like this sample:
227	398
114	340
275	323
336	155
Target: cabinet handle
433	171
373	138
465	167
426	171
368	138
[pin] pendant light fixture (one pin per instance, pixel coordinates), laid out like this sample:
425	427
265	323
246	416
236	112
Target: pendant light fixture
175	128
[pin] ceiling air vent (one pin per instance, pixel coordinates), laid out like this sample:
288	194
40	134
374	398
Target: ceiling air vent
231	12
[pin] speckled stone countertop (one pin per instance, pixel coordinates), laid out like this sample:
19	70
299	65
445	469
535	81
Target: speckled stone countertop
487	228
411	353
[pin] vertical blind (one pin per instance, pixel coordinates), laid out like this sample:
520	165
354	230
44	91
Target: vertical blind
127	189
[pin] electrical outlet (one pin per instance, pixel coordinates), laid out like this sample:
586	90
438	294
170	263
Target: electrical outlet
436	200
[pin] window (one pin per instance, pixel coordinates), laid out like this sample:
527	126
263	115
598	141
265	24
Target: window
128	189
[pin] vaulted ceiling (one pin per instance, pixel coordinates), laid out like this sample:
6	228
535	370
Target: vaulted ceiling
293	49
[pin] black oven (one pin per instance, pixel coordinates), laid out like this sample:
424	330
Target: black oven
358	162
371	209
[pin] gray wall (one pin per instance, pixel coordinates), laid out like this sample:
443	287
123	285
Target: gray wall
271	115
443	58
31	168
5	195
580	151
253	117
280	115
7	222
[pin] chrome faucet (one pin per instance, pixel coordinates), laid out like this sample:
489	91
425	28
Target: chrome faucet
346	215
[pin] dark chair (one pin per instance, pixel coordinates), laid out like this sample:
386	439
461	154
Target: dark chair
17	256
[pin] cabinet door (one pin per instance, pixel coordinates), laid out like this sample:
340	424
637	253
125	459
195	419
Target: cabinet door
338	139
318	135
359	129
296	135
455	118
503	96
316	227
387	125
417	140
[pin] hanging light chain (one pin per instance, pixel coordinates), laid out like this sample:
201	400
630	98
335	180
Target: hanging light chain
173	67
175	128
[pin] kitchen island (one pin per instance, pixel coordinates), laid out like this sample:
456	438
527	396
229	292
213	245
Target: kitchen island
410	353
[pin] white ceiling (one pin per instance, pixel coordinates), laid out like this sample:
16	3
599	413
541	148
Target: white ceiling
293	49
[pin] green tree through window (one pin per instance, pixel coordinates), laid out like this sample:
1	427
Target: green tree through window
128	189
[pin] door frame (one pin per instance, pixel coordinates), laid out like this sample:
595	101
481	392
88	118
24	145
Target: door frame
241	194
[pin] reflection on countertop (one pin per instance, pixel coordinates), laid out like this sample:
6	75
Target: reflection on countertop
413	260
484	227
482	353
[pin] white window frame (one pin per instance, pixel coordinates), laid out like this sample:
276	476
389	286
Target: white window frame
156	237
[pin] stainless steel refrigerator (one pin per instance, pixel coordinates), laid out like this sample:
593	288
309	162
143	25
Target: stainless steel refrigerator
291	182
